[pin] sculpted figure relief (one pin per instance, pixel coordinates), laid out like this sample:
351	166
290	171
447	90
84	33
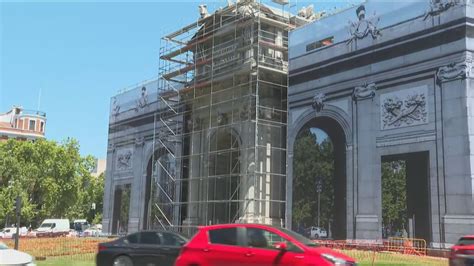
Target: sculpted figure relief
318	101
143	100
115	106
363	27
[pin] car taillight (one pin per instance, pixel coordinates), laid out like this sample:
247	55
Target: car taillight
101	247
455	252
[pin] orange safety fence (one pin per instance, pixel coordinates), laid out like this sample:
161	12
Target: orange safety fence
411	246
366	252
396	251
59	246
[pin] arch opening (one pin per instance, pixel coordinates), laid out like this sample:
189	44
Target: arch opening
319	179
160	192
223	186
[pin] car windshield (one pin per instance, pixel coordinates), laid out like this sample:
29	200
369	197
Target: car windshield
47	225
466	241
305	241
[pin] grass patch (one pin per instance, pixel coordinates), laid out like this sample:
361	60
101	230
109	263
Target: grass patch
74	260
81	252
366	258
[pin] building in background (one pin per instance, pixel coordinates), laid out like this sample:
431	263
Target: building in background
100	167
22	124
205	143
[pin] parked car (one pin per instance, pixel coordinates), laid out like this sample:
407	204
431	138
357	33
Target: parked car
9	232
12	257
53	227
315	232
95	230
142	248
254	244
463	252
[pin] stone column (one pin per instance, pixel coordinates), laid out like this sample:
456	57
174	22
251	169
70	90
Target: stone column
195	163
455	81
108	190
249	167
137	195
368	217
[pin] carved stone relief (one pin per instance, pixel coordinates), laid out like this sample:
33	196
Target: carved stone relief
404	108
364	92
124	159
139	141
363	27
194	123
111	147
439	6
115	106
318	102
453	71
221	118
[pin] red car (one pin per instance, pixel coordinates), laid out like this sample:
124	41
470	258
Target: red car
463	252
254	244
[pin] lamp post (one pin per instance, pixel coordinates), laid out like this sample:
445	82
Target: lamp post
18	212
319	189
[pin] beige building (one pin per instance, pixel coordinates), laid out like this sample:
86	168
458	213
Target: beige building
22	124
99	167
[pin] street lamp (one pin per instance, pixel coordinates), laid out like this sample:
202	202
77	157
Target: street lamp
319	189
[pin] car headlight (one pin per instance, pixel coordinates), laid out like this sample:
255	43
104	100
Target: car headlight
31	263
337	261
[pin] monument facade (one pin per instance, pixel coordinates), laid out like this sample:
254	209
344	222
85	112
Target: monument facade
391	81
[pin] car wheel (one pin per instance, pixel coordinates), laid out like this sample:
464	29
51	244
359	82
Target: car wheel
316	236
123	261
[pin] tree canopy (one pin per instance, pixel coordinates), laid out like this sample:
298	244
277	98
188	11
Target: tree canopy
52	179
394	196
313	160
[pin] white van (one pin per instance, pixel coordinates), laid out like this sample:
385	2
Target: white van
80	225
53	227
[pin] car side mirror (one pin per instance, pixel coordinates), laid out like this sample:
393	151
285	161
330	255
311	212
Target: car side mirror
281	246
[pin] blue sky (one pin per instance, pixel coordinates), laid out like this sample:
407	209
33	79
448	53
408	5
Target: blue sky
79	54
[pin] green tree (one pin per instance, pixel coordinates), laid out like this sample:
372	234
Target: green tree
52	179
394	195
312	159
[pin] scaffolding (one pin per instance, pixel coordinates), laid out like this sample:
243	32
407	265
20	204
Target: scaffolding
220	136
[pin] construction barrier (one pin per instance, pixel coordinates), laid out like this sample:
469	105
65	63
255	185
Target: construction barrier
396	251
82	249
392	251
411	246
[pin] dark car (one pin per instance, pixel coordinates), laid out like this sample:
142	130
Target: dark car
462	254
142	248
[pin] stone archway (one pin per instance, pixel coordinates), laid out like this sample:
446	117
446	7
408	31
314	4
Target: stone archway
223	184
160	189
335	122
330	175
